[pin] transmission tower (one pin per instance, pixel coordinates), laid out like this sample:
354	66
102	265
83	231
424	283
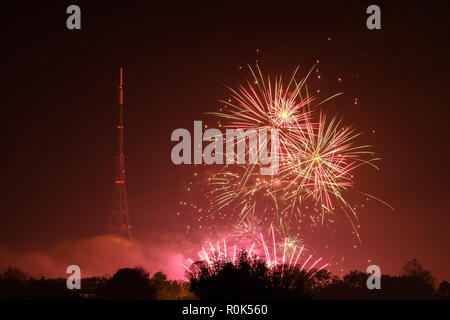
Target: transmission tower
120	224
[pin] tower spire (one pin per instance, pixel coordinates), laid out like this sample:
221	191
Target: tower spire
120	224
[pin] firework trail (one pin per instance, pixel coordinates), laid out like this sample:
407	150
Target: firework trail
267	103
248	227
288	258
321	167
318	158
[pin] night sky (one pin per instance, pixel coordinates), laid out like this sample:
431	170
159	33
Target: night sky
59	105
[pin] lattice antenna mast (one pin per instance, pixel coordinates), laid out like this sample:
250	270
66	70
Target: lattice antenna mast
120	224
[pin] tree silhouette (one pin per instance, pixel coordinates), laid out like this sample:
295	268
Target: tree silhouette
414	269
444	290
129	283
12	283
414	283
170	289
356	279
12	273
247	278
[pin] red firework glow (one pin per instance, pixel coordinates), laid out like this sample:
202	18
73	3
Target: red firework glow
318	159
293	256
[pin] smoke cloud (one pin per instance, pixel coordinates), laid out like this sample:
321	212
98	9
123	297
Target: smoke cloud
103	256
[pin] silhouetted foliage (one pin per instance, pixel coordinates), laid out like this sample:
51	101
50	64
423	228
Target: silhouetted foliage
247	278
414	283
129	283
14	274
252	278
444	290
170	289
136	284
15	284
12	284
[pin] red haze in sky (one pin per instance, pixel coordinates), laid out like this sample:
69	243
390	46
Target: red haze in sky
59	110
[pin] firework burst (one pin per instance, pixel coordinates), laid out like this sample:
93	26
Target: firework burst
267	103
321	166
289	257
318	158
249	228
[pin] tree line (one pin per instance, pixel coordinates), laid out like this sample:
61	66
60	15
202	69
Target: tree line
247	278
